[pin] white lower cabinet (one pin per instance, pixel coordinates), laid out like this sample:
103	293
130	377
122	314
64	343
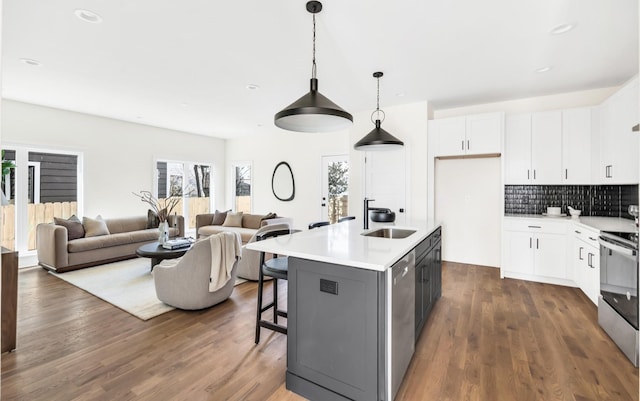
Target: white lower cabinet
535	249
585	260
555	251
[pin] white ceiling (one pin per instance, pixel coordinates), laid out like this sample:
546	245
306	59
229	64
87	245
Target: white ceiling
185	65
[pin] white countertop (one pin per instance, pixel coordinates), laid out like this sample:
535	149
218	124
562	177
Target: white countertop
615	224
343	244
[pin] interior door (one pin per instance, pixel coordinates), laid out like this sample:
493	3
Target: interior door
385	173
335	187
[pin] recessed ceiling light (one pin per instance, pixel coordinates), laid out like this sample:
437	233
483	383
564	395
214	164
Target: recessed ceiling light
544	69
562	28
88	16
253	87
31	62
400	94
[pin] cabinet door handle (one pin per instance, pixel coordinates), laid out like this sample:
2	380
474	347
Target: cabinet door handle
580	253
593	239
566	174
534	173
577	232
530	243
468	146
528	174
534	226
589	262
462	144
537	243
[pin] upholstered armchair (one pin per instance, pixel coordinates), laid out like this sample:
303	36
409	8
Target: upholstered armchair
249	265
184	283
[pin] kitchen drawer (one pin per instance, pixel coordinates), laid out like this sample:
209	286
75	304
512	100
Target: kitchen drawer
588	235
543	225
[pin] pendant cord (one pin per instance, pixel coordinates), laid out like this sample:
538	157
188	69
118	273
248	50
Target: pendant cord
313	67
378	98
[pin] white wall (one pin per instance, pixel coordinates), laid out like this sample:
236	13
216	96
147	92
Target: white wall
409	124
118	156
469	204
303	152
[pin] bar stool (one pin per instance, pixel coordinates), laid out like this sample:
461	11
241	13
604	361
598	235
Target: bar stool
278	268
318	224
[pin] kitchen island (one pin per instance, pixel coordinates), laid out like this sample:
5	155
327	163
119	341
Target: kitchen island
356	304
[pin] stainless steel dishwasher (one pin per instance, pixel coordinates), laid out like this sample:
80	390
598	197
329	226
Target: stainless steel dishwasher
400	344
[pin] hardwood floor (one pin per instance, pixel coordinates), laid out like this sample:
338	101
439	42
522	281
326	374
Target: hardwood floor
486	339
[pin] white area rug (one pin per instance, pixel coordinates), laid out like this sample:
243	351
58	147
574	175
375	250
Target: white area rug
127	284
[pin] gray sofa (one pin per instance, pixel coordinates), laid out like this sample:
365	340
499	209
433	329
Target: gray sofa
251	223
59	254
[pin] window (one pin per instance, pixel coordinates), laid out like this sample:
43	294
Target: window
242	191
189	181
46	187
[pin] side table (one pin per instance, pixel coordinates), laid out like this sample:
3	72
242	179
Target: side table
9	293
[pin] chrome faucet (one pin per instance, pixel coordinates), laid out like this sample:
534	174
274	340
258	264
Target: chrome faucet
366	212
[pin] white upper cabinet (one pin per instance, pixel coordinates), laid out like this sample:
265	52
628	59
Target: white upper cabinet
576	146
517	149
546	148
451	134
484	133
617	160
477	134
533	148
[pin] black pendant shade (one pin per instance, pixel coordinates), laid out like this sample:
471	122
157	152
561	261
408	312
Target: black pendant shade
313	112
378	138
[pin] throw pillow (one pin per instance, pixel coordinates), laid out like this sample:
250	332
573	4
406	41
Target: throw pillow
74	226
219	217
94	227
233	220
252	221
152	219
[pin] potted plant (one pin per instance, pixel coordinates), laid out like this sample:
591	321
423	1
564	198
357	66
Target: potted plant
7	165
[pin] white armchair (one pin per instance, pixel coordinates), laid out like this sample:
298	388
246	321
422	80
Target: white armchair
184	282
249	265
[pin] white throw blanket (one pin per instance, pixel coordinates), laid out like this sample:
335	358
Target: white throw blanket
225	248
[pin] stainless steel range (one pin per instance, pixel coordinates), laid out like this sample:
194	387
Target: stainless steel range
618	301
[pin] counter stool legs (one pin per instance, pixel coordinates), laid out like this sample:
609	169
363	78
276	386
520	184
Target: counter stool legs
273	304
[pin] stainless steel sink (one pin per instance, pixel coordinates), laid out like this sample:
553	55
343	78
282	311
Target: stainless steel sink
389	233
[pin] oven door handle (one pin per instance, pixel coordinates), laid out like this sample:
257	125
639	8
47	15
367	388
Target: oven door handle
617	248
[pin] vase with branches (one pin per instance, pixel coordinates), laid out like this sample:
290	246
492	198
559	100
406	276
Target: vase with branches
162	208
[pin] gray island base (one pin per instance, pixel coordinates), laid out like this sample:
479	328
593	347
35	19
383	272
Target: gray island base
352	330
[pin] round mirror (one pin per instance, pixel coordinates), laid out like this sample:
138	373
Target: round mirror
282	184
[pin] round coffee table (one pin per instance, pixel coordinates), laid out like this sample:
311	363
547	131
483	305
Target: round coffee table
157	253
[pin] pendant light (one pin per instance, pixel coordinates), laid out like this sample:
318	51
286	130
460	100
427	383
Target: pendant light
378	138
313	112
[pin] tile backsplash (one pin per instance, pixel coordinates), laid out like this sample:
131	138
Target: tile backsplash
592	200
